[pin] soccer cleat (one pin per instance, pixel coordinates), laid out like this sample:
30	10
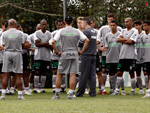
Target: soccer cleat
63	90
99	92
42	91
56	97
2	97
35	91
53	90
27	92
132	93
12	91
141	92
70	96
21	98
86	92
104	92
123	93
147	95
115	93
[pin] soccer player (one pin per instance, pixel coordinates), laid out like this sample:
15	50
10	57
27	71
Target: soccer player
127	56
41	56
87	67
139	61
13	41
54	63
98	65
112	53
101	35
68	62
146	57
1	51
32	49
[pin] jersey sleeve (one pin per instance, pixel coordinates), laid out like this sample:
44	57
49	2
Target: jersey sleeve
105	42
134	36
57	36
82	36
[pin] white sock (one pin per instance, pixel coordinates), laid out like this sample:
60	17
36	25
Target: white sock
57	90
71	91
19	93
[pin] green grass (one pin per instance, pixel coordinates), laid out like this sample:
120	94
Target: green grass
42	103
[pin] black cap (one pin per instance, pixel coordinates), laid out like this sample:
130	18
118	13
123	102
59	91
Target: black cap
68	18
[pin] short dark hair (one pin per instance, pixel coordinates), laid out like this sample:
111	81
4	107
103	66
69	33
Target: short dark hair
91	19
138	22
59	20
114	21
68	20
88	21
146	22
110	15
5	23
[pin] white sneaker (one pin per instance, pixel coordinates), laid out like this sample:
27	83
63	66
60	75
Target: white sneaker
86	92
123	93
2	97
12	91
21	98
141	92
27	92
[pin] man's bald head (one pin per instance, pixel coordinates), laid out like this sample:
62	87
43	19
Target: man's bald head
43	21
38	27
12	23
129	19
43	25
128	23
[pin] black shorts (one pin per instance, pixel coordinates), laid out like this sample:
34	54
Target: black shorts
42	65
138	67
103	61
146	67
98	64
25	62
111	67
126	65
1	65
54	64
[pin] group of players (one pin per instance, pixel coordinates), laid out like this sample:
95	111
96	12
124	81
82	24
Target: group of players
108	50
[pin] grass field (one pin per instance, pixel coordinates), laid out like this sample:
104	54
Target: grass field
42	103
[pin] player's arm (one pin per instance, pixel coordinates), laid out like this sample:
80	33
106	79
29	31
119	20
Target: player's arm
86	42
133	38
38	43
56	38
1	47
121	39
26	45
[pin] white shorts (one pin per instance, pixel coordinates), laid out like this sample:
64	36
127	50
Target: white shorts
67	66
12	62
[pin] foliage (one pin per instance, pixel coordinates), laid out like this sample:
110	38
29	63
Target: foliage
97	9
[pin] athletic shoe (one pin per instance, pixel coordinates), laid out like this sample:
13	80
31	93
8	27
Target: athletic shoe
99	92
132	93
115	93
27	92
104	92
42	91
56	96
30	90
68	92
21	98
141	92
74	96
2	97
86	92
147	95
0	91
12	91
123	93
35	91
53	90
70	96
63	90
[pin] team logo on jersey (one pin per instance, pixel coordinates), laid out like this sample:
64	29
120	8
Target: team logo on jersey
70	54
69	34
12	36
93	37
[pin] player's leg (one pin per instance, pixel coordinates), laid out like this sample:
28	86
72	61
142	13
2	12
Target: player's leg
138	79
36	76
4	84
